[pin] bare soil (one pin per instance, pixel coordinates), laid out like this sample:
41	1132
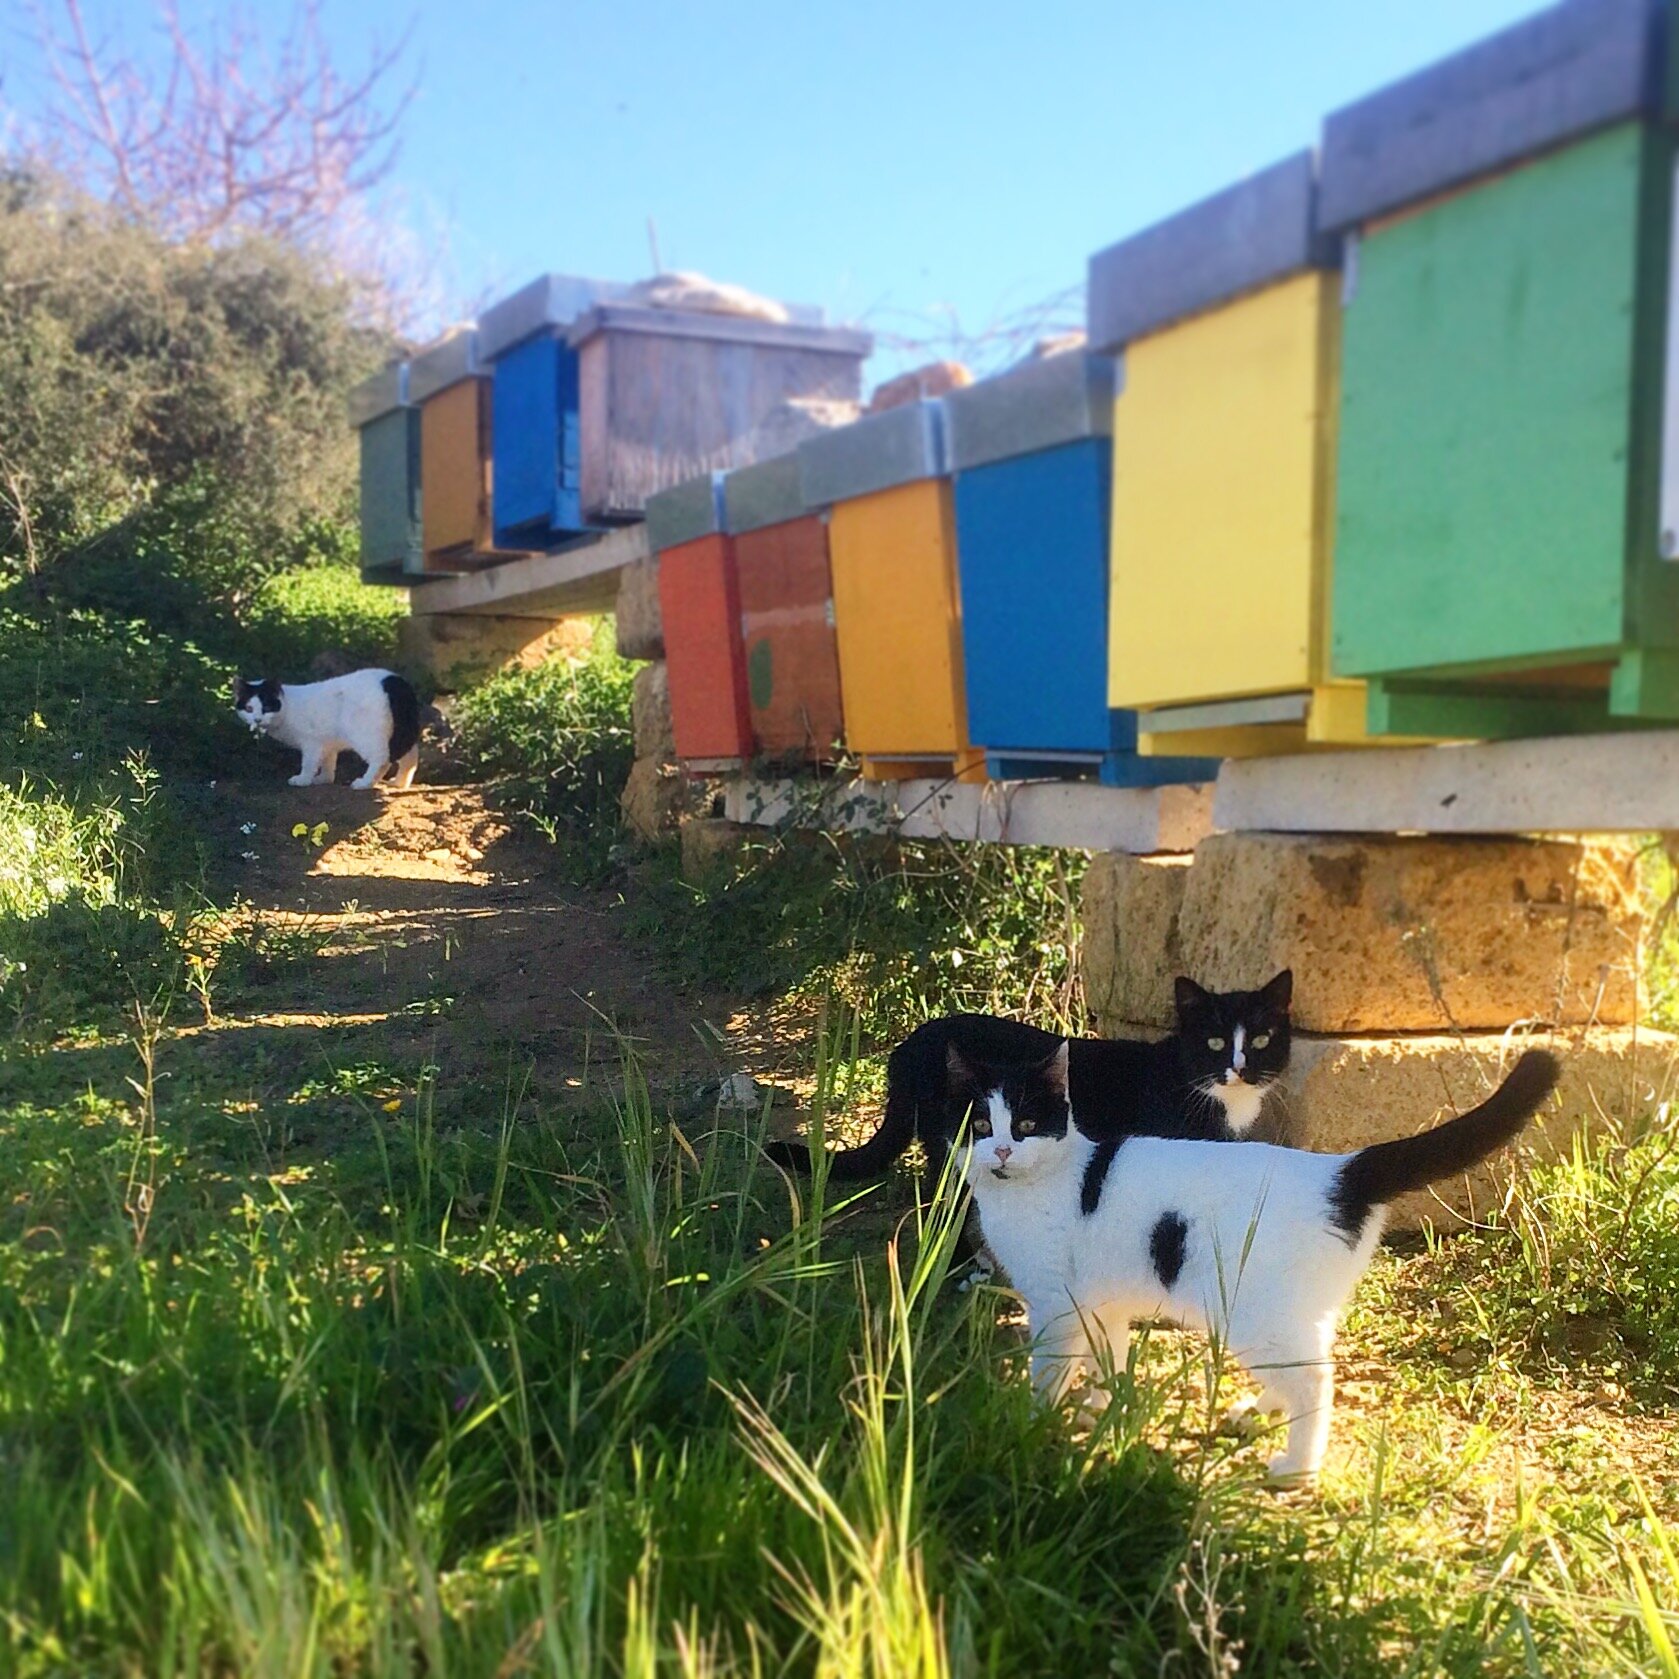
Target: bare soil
450	937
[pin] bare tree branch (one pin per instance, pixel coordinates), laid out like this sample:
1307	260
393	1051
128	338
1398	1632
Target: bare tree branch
230	133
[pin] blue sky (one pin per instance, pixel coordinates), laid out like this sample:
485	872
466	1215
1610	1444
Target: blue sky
903	164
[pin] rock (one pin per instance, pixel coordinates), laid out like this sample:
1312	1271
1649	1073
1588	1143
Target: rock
655	798
1130	956
640	627
937	378
1342	1094
650	713
708	840
1416	934
457	649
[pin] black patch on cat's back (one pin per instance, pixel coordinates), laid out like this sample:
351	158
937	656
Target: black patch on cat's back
405	714
1166	1244
1096	1175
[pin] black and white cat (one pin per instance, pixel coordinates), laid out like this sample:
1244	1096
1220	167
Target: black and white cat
1258	1246
1206	1080
372	713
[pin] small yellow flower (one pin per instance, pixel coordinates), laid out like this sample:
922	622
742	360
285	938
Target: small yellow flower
391	1106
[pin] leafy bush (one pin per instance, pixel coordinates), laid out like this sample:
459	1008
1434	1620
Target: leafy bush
80	691
898	931
299	614
557	737
191	394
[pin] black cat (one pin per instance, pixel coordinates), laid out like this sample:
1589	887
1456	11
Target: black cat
1207	1080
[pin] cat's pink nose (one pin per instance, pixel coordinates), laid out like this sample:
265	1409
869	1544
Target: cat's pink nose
1002	1151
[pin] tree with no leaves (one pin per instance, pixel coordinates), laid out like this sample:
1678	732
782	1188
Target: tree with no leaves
231	133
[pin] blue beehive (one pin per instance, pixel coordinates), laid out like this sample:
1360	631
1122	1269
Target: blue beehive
537	448
1032	457
388	426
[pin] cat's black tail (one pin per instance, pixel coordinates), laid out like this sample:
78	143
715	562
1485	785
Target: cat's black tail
1375	1175
405	715
904	1094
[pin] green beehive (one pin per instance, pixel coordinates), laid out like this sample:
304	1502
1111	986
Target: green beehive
1498	561
389	429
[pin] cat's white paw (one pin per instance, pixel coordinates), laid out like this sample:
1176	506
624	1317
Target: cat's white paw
1287	1477
298	780
1245	1418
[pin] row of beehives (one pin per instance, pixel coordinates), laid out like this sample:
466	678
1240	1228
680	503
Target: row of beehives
563	409
1378	445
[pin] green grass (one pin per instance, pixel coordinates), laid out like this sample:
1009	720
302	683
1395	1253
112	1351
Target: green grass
304	1371
322	1353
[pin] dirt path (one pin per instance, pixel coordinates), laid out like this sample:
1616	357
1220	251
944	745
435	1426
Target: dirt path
449	938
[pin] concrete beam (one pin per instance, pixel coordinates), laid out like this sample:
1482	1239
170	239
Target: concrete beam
582	577
1061	813
1620	783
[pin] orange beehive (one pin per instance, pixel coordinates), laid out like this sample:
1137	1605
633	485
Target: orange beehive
455	438
786	612
897	613
699	598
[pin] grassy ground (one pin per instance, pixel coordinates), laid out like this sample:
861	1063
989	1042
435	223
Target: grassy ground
382	1290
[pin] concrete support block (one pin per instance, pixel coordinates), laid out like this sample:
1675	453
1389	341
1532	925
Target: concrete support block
1130	909
1394	934
655	799
641	628
650	713
708	841
457	649
1343	1094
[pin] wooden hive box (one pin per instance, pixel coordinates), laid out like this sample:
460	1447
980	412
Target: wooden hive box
388	429
665	395
699	601
786	613
537	447
1222	450
1499	558
451	385
1031	457
897	612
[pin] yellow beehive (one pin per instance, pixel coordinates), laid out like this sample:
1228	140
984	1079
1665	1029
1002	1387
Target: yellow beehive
1223	477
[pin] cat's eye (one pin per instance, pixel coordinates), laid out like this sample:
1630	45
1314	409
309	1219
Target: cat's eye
1261	1039
1215	1043
1025	1127
982	1126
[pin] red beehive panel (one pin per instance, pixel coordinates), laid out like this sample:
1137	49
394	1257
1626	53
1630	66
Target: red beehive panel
699	596
787	627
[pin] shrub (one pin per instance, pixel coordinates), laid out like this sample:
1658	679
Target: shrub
192	396
557	737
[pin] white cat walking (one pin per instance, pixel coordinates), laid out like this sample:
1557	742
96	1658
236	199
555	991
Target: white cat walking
1257	1245
372	713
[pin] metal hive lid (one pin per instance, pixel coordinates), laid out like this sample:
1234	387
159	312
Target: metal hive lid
384	393
766	493
1569	69
1238	240
443	364
550	302
1060	399
685	512
877	452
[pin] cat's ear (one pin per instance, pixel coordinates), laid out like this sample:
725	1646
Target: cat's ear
1279	993
956	1067
1189	995
241	690
1055	1068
